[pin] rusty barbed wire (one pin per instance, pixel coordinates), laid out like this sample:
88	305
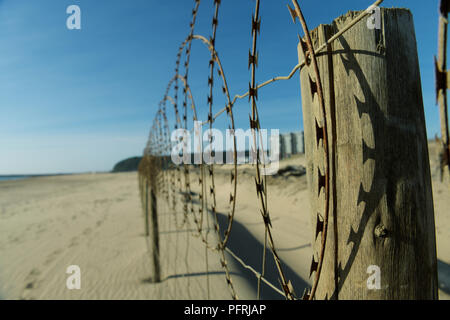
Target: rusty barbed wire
188	94
261	184
362	15
159	146
175	174
167	181
222	242
321	134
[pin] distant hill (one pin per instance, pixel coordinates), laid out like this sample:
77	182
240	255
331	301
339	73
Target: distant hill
130	164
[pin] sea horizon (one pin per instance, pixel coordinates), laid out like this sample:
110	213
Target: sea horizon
12	177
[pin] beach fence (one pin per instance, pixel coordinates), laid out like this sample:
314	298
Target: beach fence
366	152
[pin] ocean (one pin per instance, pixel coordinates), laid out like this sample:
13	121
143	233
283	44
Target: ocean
27	176
8	178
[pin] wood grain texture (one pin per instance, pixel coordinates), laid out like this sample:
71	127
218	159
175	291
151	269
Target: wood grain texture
381	206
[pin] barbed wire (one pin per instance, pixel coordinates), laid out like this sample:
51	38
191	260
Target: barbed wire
165	178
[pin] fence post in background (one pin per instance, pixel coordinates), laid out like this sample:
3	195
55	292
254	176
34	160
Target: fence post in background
147	186
381	233
154	236
146	209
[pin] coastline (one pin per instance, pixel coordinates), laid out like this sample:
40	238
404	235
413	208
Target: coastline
95	221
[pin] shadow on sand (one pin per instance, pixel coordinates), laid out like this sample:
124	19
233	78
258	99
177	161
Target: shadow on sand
250	250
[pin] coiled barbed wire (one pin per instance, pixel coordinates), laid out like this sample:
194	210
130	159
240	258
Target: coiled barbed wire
159	144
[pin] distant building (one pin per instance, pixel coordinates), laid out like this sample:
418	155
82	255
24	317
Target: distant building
291	143
285	145
298	142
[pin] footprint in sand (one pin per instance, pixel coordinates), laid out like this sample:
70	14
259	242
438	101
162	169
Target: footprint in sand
34	272
73	242
13	239
52	256
31	282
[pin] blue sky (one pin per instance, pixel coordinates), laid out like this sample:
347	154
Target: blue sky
81	100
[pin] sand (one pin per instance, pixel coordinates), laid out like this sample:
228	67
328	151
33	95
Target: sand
95	221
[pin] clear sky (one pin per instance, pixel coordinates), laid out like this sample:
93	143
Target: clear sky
81	100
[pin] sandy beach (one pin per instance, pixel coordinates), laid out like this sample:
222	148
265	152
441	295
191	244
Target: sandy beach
95	221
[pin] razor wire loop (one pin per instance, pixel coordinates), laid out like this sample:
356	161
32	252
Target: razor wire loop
442	84
178	121
222	243
173	179
254	125
163	103
216	60
187	93
321	134
167	182
225	90
159	143
302	63
261	185
176	175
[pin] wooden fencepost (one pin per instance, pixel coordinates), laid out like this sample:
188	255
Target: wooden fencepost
147	186
381	240
154	236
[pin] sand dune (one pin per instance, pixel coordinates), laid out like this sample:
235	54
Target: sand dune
96	222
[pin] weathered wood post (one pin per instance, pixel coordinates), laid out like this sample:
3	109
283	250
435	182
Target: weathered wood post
146	209
154	236
147	186
381	214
